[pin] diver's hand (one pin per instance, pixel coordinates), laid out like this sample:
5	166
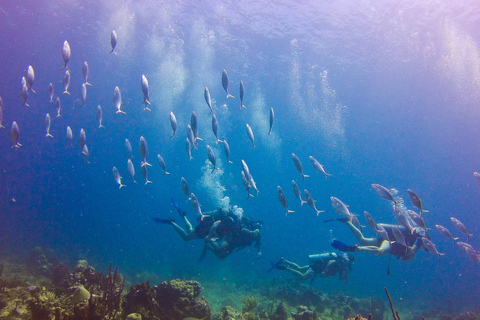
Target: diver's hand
410	254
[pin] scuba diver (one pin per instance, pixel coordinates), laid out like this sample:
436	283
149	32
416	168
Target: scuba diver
223	230
325	264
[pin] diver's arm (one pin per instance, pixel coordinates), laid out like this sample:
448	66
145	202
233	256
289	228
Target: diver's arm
412	250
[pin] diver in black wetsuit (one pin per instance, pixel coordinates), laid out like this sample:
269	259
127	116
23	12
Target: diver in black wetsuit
326	264
380	246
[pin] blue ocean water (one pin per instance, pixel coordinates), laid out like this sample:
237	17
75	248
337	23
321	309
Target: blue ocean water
379	93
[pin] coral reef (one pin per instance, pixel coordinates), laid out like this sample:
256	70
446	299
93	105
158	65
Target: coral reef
249	303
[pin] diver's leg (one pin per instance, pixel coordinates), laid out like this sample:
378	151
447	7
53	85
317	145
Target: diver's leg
379	251
294	266
304	275
359	235
186	234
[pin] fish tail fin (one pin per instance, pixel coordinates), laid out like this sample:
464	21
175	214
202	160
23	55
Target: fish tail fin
198	138
191	158
455	240
166	173
147	164
269	131
64	66
101	126
230	96
51	101
49	135
148	181
59	115
66	91
468	236
289	211
27	105
31	89
147	109
1	126
319	211
88	84
121	185
306	176
326	176
440	255
120	111
230	161
302	202
242	107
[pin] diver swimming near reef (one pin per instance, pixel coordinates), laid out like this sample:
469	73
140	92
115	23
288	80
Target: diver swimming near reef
224	231
326	264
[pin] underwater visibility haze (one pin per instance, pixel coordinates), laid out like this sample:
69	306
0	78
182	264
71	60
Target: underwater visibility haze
379	92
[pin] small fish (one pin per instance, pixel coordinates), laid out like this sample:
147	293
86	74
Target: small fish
340	207
194	126
185	188
145	90
128	145
245	169
69	137
225	83
58	107
296	191
173	123
272	119
82	139
356	222
242	94
24	93
416	201
445	232
66	54
1	113
118	178
383	233
46	123
162	164
477	176
196	205
402	218
370	221
208	100
226	149
83	94
416	218
191	136
399	237
215	127
298	165
253	184
86	154
250	135
461	227
30	78
51	92
431	247
464	245
15	134
143	151
311	202
131	170
99	117
473	255
145	174
246	184
383	192
283	199
113	41
85	72
66	82
211	157
318	167
117	100
188	148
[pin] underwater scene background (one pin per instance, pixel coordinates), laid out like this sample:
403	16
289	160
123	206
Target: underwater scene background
383	93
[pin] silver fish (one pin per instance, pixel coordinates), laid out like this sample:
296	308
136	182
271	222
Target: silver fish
283	200
188	148
226	149
1	113
99	116
431	247
51	92
383	192
242	94
250	135
113	40
84	94
253	184
399	237
416	201
477	176
30	78
464	245
82	139
58	107
173	123
15	134
196	205
416	218
117	177
340	207
446	232
162	164
402	218
311	202
66	54
370	221
246	184
246	170
356	222
143	151
146	91
208	100
85	72
194	126
382	232
185	188
128	145
215	126
46	123
272	119
191	136
69	137
86	154
117	100
318	167
473	255
66	82
225	83
298	165
296	191
211	157
24	92
461	227
131	170
145	174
